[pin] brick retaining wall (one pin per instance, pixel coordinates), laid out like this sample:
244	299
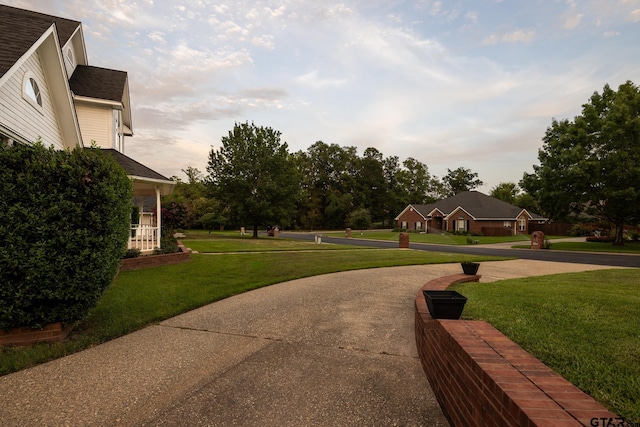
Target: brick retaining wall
148	261
53	332
480	377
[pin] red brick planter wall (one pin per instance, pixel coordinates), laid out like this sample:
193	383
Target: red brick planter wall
53	332
148	261
481	378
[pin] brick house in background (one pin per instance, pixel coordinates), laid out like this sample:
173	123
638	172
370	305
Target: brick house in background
469	211
49	91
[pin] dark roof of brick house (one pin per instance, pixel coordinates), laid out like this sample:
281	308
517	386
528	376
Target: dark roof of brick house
477	204
100	83
132	167
22	28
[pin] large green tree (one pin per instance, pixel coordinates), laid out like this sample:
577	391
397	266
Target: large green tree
592	163
506	191
254	176
459	180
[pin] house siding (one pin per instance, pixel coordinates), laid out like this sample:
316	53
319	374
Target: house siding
18	114
95	124
411	217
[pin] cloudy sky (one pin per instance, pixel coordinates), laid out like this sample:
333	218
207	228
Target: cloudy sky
470	83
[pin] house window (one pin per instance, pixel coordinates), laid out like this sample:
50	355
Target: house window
31	91
506	224
404	224
522	224
418	225
117	131
70	61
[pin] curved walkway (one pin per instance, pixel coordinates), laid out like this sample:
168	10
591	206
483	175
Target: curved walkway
330	350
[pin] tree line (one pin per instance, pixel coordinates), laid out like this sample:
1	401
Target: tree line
589	167
253	180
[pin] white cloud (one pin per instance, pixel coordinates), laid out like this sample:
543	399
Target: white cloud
511	37
572	21
311	79
157	36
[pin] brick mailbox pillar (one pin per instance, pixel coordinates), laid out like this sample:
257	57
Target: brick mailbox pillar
537	240
347	232
404	240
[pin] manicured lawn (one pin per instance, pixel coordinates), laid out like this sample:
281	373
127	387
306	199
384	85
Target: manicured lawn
628	248
585	326
139	298
439	239
220	243
596	247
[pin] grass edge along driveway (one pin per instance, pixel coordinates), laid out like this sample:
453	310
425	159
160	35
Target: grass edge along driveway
139	298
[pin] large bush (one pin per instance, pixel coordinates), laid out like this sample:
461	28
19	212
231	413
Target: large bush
64	224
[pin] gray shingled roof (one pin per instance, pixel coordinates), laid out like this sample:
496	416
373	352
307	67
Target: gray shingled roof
100	83
20	29
478	205
132	167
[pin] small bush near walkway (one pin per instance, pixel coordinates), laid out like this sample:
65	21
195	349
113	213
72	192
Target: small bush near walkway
64	224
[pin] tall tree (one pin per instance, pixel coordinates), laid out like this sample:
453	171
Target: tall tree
592	164
416	182
506	191
459	180
255	176
371	184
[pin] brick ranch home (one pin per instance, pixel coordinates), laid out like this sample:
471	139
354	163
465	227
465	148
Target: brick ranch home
469	211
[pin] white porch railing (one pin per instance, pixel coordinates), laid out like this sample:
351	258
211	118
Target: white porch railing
143	237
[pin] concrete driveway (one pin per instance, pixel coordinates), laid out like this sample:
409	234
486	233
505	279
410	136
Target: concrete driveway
330	350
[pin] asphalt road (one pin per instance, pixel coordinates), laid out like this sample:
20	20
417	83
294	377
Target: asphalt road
617	260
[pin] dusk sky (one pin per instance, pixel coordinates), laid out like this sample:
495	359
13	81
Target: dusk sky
450	83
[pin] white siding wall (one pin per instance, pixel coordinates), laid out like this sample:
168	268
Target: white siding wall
95	124
19	115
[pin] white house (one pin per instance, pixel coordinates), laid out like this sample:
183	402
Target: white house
49	91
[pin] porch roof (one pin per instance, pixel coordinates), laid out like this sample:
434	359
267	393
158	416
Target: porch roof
145	180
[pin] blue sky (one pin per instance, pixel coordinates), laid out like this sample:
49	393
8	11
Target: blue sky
450	83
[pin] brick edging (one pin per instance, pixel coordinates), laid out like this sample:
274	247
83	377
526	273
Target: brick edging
480	377
53	332
148	261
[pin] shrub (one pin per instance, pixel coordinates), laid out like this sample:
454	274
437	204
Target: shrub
601	239
579	230
64	223
360	219
168	243
132	253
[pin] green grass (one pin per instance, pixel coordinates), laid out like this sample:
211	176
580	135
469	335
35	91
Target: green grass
237	244
139	298
433	238
628	248
585	326
596	247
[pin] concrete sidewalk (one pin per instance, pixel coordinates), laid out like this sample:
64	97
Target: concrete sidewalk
330	350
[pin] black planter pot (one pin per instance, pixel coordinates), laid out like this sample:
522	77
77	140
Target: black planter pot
445	304
470	268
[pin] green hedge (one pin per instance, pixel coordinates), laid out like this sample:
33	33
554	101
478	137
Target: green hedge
64	224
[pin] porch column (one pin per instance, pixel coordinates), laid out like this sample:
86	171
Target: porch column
158	215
